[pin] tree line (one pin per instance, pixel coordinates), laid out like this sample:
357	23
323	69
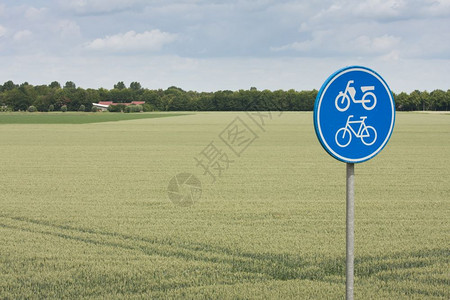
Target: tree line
19	97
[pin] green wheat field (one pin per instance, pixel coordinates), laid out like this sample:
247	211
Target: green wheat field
85	213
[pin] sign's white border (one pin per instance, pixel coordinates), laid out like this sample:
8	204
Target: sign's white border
322	92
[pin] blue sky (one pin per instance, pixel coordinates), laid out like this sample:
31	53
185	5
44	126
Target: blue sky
216	45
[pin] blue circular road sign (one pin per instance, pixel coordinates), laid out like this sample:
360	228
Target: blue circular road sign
354	114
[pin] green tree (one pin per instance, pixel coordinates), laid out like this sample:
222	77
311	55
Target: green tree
221	100
176	99
55	85
120	95
153	98
120	85
437	100
147	107
135	86
16	99
41	103
447	101
60	98
116	108
133	108
401	101
425	100
415	100
70	85
103	94
205	102
92	96
9	85
79	97
279	96
166	102
42	90
29	92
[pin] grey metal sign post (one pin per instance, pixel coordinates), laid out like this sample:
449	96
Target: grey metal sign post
354	116
350	231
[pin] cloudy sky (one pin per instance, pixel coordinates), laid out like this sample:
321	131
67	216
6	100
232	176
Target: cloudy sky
210	45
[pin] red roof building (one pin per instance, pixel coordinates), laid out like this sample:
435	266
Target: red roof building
103	105
108	103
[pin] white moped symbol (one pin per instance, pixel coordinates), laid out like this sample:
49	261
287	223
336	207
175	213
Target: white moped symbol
368	101
367	134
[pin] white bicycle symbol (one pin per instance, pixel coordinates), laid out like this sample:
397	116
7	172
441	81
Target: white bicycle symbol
367	134
368	101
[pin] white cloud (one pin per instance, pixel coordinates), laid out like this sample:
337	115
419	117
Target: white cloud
2	31
348	11
330	43
379	8
22	35
218	74
98	6
317	40
152	40
68	29
379	44
394	55
437	8
382	10
35	13
227	44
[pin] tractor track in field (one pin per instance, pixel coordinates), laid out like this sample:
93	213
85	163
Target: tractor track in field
272	266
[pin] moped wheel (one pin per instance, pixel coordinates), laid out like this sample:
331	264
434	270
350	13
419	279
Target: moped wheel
342	102
343	137
369	100
369	136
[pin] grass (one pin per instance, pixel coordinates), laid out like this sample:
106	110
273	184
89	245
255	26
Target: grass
85	213
75	117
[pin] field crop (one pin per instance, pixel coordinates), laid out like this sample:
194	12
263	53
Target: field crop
74	117
84	211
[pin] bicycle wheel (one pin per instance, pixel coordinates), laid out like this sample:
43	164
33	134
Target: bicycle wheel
342	102
369	100
343	137
369	136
